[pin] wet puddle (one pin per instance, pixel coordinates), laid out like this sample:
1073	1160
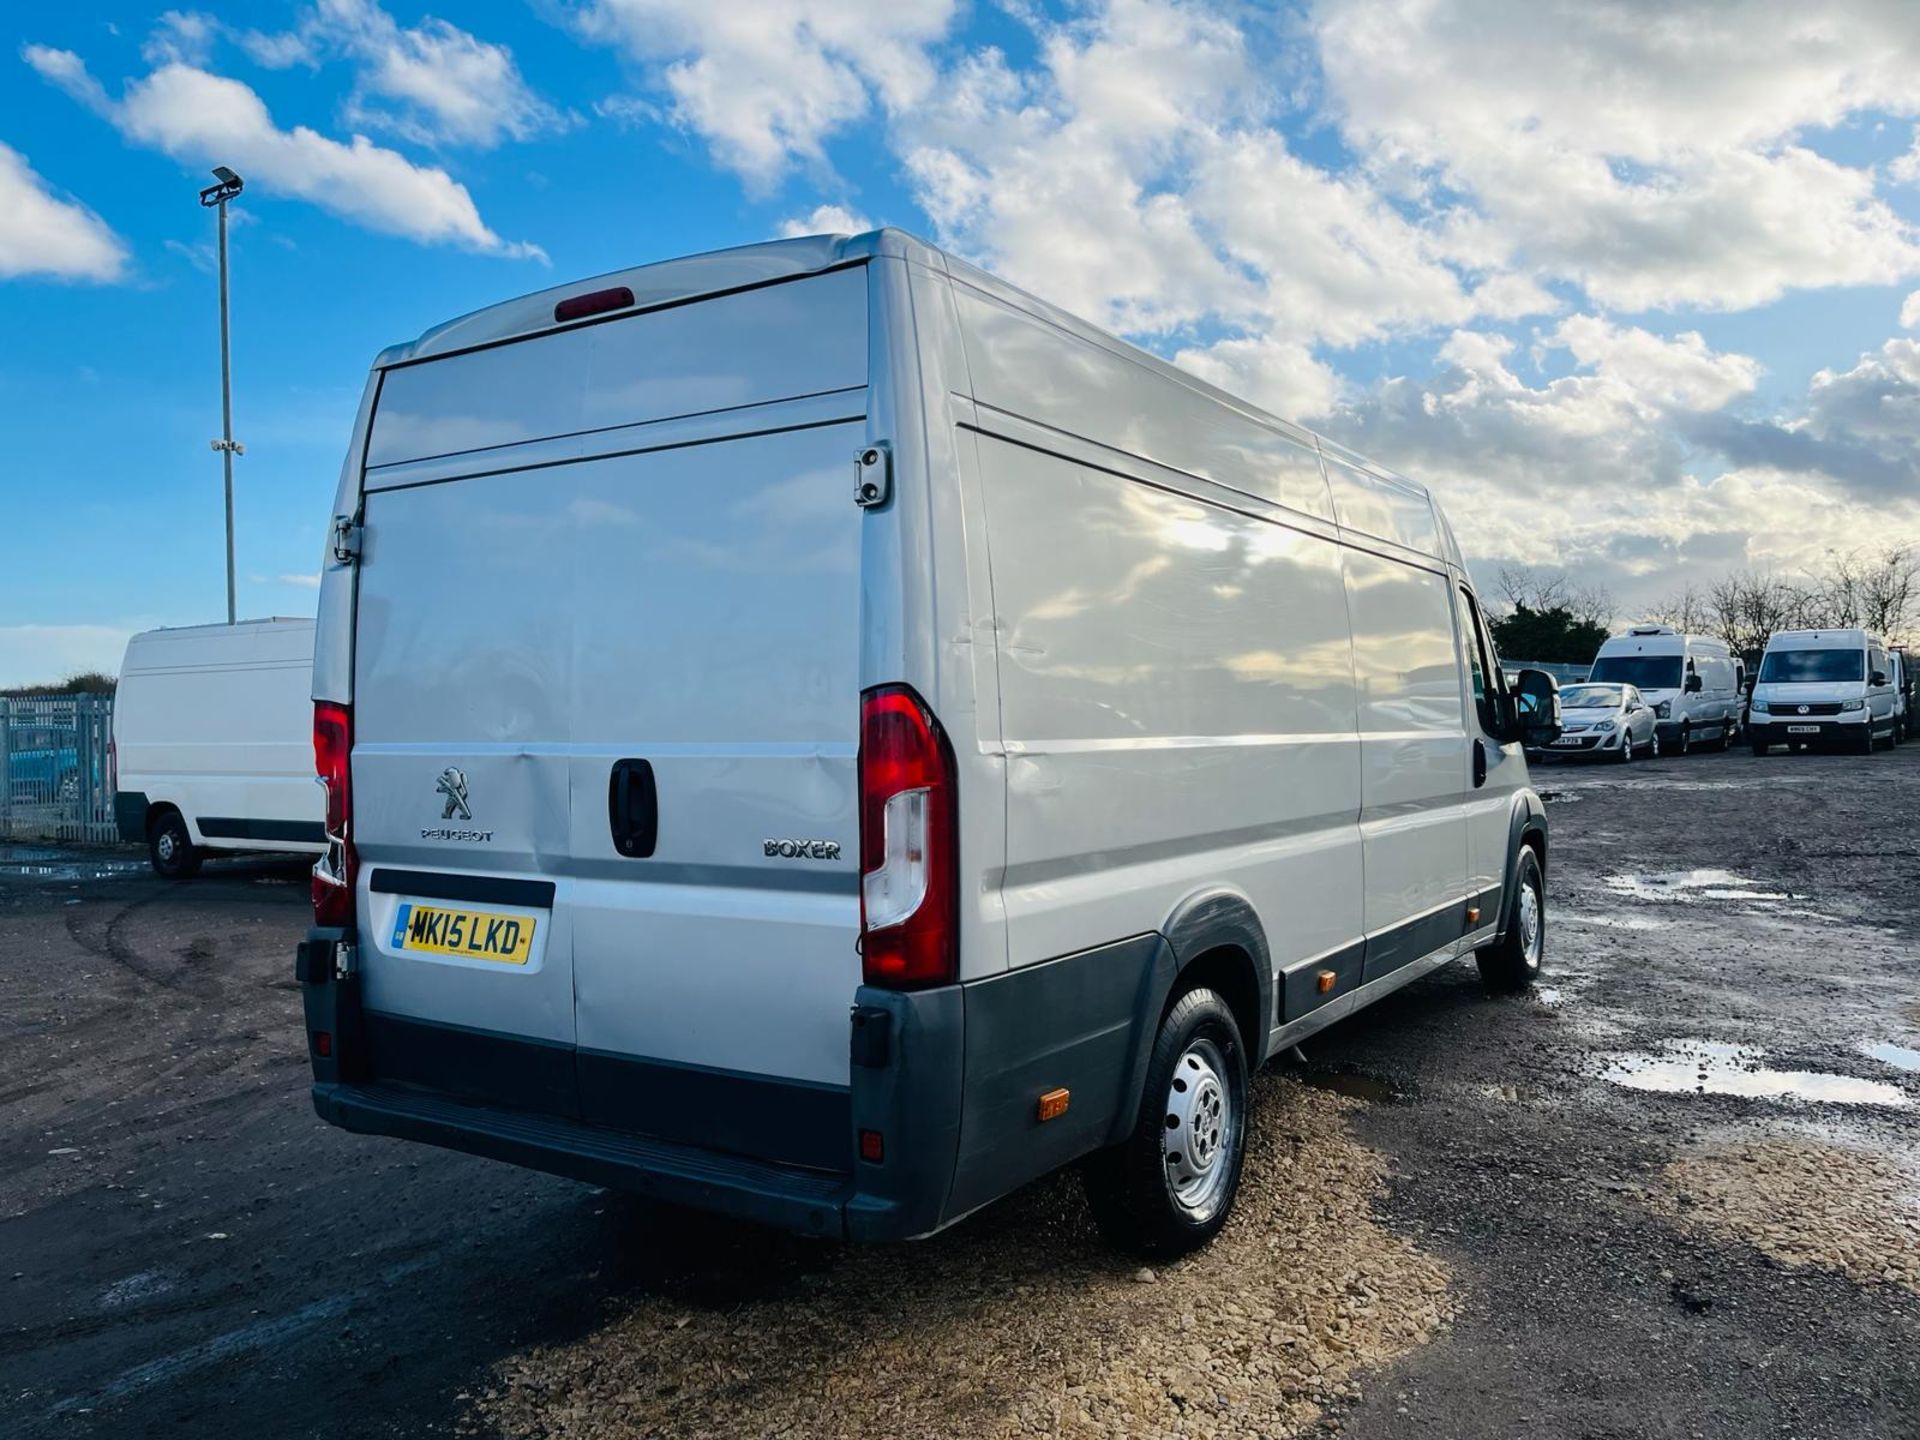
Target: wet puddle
1613	922
1705	1067
1560	797
46	862
1901	1057
1690	885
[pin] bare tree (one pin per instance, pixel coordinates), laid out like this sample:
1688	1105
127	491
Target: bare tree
1690	612
1877	591
1747	606
1542	590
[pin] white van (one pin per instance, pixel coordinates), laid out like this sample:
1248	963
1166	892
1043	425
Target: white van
1824	687
1693	683
212	747
815	733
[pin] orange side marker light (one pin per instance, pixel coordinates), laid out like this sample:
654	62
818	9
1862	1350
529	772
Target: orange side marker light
1053	1104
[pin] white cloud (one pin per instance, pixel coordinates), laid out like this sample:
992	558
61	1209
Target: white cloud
42	234
1650	160
1910	312
825	220
196	116
186	36
765	83
45	654
432	83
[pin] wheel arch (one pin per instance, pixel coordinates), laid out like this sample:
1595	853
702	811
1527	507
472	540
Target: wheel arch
1213	938
1526	827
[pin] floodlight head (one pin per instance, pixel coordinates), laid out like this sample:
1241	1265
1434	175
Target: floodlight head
230	185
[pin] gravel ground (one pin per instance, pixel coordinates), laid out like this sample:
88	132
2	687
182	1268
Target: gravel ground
1025	1325
1670	1194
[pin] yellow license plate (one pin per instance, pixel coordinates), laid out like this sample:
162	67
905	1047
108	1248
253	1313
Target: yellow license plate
470	934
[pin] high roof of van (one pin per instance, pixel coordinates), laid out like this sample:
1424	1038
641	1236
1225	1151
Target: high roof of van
671	282
1836	639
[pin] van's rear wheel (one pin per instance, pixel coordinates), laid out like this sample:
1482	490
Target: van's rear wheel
1168	1187
170	849
1513	961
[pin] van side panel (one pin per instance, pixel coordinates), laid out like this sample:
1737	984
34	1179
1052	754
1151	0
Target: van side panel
1414	770
1177	697
215	721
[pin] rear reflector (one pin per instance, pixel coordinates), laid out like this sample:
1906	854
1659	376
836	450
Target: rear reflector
323	1044
873	1146
909	846
594	302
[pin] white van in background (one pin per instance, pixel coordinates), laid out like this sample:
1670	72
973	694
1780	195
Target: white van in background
815	733
1824	687
212	733
1692	682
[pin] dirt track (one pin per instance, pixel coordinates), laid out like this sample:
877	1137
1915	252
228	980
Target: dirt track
1493	1227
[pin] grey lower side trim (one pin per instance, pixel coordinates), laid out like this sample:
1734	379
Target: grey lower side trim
130	815
295	832
1067	1024
1294	1031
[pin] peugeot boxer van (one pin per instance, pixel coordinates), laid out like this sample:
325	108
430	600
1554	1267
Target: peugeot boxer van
1824	687
211	727
1691	681
812	732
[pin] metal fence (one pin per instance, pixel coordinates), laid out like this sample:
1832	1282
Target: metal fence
56	768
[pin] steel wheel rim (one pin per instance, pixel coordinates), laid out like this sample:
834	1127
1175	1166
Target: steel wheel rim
1532	932
165	845
1201	1128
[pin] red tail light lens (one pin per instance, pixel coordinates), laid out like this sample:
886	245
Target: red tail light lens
909	844
333	872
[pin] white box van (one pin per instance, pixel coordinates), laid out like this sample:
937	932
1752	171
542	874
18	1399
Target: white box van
816	733
211	732
1824	687
1692	681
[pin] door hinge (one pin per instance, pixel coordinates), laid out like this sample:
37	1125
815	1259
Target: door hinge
344	960
346	539
873	475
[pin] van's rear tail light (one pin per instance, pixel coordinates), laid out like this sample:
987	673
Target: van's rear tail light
594	302
909	844
333	872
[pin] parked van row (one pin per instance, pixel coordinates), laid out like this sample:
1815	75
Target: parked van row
813	732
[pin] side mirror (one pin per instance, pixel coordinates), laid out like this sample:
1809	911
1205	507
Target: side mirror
1695	684
1536	709
1878	677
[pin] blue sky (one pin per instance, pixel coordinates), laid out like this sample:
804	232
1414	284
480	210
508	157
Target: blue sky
1637	309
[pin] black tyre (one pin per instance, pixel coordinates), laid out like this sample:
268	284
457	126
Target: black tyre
1168	1187
1624	755
1759	747
1513	961
170	848
1686	739
1863	742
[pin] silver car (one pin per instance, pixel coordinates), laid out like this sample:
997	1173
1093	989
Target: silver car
1606	722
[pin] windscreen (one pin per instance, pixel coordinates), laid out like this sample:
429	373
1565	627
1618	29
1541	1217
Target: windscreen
1794	667
1649	672
1591	697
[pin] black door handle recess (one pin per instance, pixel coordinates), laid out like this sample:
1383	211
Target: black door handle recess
1479	763
633	808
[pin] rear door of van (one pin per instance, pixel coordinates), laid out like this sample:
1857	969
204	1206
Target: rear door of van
606	706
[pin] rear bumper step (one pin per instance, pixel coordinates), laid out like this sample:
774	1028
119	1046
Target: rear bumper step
806	1201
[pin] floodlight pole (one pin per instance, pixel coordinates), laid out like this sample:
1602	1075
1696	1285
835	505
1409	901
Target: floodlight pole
217	197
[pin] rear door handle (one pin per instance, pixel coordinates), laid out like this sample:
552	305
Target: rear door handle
1479	763
633	808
